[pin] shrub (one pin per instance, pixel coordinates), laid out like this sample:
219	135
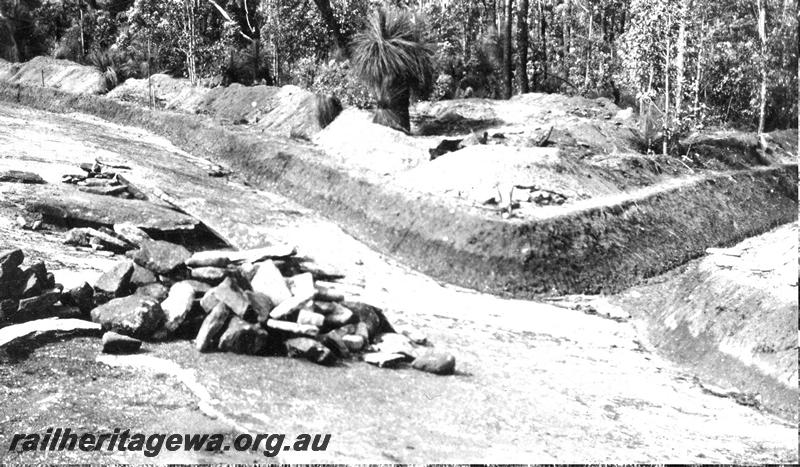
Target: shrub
337	79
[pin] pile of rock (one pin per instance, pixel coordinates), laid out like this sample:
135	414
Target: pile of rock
100	179
29	293
266	301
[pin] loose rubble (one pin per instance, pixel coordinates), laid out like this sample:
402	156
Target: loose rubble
266	302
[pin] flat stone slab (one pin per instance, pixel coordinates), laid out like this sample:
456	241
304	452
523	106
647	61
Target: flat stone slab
67	203
48	327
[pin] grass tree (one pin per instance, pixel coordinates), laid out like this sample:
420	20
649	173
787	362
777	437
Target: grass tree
393	59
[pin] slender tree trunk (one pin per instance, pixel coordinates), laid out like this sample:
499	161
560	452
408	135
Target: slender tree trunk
83	45
590	42
699	71
685	7
522	46
543	40
667	123
762	36
508	78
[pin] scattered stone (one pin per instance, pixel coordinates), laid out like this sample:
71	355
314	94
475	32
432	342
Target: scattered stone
269	281
339	316
371	316
261	304
142	276
12	282
258	255
209	274
395	343
77	237
110	190
213	325
319	271
156	291
10	259
414	335
304	347
362	330
36	280
177	305
248	271
336	344
293	328
81	297
306	316
435	362
115	282
302	285
215	259
132	234
209	301
19	176
114	343
243	338
136	316
161	257
384	360
229	293
40	306
285	308
354	342
108	239
200	288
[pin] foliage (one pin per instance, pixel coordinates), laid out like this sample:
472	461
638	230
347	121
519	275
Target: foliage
391	52
336	79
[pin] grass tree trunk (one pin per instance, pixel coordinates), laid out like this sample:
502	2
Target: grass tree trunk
508	75
522	46
392	106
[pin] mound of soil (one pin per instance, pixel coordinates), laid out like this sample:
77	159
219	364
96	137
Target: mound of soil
169	92
731	316
288	110
352	140
59	74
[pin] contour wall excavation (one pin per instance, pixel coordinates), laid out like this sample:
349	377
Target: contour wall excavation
597	245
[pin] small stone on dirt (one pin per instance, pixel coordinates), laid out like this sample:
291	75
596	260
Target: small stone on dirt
436	362
114	343
304	347
354	342
384	360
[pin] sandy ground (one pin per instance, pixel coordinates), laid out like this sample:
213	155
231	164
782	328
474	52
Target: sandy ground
535	383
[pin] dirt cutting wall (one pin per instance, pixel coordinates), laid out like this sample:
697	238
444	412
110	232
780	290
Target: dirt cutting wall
602	249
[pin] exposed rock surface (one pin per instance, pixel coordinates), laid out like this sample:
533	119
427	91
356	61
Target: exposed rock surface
161	257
